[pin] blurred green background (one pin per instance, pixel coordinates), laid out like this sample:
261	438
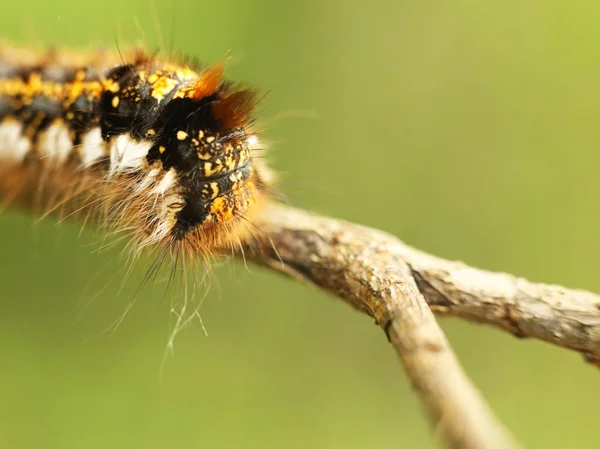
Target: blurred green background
467	128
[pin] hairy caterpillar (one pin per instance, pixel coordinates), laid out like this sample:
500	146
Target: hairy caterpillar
150	149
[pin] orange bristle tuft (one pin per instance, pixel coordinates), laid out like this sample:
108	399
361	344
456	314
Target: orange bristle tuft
235	107
208	82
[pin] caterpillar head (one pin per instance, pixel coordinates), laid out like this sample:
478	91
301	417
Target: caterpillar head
200	181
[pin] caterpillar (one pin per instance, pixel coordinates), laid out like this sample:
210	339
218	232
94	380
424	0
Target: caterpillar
154	150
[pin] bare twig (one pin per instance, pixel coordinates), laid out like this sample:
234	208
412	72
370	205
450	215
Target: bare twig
370	271
463	418
342	257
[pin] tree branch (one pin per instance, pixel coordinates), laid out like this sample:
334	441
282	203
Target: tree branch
343	258
370	270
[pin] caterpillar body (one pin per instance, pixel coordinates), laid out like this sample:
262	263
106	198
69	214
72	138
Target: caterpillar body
150	148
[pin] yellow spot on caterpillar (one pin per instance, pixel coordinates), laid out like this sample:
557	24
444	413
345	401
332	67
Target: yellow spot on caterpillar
181	135
161	149
221	209
214	187
111	85
162	86
210	139
35	81
115	101
202	155
200	134
211	169
150	132
153	78
186	72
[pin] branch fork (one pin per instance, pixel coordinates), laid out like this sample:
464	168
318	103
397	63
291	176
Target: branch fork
401	287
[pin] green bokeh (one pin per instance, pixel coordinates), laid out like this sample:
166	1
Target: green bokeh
467	128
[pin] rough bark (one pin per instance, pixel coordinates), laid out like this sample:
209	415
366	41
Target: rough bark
372	271
354	262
